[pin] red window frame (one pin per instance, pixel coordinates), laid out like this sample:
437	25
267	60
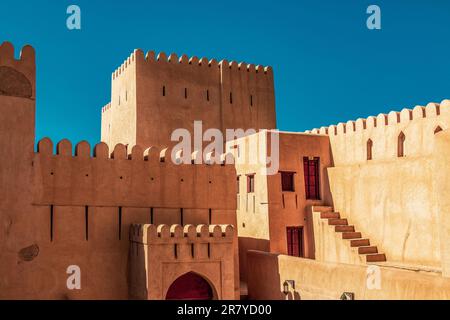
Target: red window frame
250	183
295	241
311	167
287	181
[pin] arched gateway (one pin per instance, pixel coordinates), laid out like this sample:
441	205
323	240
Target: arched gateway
190	286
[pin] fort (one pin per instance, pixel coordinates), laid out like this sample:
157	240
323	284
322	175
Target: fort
345	199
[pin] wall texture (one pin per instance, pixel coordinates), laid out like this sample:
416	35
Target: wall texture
75	206
393	200
322	281
161	254
159	94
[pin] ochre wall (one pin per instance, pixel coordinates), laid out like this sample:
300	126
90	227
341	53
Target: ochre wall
17	125
392	200
323	281
263	226
208	251
290	209
75	215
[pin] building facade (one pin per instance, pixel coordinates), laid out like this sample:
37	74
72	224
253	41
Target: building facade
335	208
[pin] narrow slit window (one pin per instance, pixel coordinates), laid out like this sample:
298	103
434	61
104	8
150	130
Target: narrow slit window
369	149
164	91
120	223
251	183
401	145
86	217
207	95
185	93
237	184
231	97
251	100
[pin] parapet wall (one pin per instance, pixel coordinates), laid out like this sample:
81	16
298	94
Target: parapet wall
132	178
316	280
349	140
188	234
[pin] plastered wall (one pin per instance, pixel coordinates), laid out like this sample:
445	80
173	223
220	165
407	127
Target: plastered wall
161	254
392	199
328	281
170	92
264	215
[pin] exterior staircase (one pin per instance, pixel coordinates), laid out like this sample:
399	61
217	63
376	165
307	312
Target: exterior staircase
350	234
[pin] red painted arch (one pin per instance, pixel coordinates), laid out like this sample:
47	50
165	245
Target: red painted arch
190	286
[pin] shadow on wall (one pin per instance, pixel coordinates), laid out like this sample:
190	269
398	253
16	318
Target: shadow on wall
246	244
267	287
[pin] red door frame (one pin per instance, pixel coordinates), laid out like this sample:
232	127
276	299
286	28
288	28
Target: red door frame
295	245
190	286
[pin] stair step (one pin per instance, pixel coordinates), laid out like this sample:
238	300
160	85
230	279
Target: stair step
330	215
344	229
337	222
367	250
378	257
351	235
360	243
322	209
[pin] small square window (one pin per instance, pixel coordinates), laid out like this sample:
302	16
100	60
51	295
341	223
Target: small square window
287	181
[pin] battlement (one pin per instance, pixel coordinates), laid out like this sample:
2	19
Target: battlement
17	77
120	151
152	234
409	133
106	107
162	57
431	110
129	177
123	67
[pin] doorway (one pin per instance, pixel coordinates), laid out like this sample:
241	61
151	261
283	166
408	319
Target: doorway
190	286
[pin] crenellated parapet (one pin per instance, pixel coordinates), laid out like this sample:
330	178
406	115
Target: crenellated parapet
350	140
194	61
123	176
431	110
165	234
17	76
106	107
157	93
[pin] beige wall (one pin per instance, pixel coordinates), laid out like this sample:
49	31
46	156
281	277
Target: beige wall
442	156
323	281
119	117
329	245
391	200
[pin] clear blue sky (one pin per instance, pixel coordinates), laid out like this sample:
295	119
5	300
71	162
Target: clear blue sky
328	66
